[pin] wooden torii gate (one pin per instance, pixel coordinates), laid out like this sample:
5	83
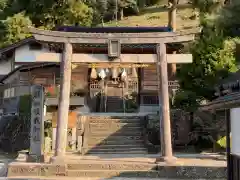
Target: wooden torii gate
160	39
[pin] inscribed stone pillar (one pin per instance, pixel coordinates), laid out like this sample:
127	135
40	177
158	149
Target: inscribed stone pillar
54	131
63	106
165	124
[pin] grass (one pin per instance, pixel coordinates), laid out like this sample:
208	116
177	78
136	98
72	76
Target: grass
158	16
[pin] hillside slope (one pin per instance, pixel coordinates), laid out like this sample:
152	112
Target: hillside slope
158	16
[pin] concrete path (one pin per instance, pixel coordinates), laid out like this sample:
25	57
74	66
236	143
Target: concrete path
5	159
115	178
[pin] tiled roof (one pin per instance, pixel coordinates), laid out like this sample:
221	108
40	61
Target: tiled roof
220	102
113	29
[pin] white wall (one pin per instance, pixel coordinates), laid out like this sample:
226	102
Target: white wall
235	132
24	54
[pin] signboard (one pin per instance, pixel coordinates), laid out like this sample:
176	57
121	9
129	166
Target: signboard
37	121
235	133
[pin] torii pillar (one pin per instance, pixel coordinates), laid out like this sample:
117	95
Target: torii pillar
165	121
63	106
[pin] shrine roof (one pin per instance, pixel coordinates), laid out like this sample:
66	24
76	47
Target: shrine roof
113	29
28	67
228	100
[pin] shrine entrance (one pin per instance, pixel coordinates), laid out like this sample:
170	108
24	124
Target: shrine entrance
115	89
115	45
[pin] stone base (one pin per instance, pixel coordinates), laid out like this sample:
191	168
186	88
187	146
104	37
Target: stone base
109	169
22	156
58	160
167	159
35	158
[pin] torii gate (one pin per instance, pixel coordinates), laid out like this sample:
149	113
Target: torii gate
160	39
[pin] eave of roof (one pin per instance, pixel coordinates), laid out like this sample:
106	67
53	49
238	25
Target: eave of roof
96	30
17	44
222	101
233	77
27	67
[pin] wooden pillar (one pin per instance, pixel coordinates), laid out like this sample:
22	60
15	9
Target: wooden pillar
165	123
63	106
172	22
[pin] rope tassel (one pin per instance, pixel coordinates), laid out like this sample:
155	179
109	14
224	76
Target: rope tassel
134	73
93	73
114	73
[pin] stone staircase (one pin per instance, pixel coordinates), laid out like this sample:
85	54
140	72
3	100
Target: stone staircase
114	104
114	135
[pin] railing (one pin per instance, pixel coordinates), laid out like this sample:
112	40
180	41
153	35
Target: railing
54	90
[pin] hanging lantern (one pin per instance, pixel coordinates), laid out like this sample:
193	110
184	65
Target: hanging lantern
102	74
93	73
134	72
124	75
114	73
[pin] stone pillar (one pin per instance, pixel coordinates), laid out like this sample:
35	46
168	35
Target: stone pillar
54	132
74	138
165	124
63	106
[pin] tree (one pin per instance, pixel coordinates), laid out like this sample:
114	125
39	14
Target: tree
122	4
101	7
50	13
213	60
17	15
229	19
14	29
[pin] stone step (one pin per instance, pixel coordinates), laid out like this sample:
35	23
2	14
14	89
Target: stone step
110	174
168	174
113	173
115	125
115	146
93	139
114	128
108	134
117	151
116	118
100	119
113	142
111	166
126	122
107	170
